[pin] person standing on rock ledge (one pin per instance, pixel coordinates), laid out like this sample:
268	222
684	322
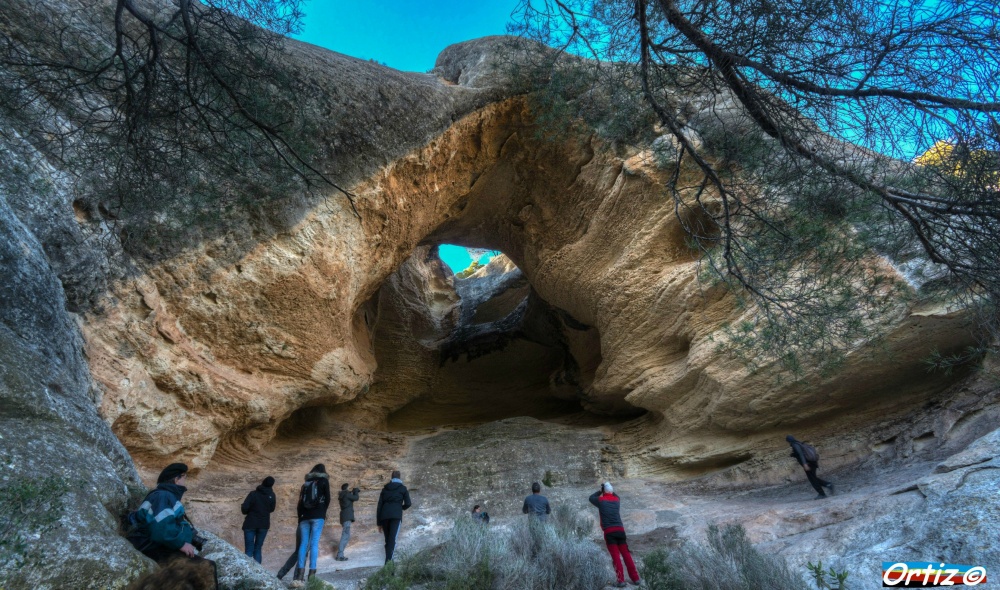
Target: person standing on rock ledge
393	500
808	458
536	505
347	500
609	506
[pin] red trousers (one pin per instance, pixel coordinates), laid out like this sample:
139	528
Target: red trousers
618	549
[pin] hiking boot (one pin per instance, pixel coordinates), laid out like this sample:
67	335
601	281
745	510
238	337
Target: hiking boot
620	584
340	558
819	496
635	582
312	574
829	486
297	584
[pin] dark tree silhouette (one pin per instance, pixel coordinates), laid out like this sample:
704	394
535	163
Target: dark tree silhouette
183	106
793	133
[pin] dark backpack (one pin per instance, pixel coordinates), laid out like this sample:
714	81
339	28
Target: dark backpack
131	527
311	496
809	452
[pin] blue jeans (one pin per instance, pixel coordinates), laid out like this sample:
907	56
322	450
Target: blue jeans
311	530
254	540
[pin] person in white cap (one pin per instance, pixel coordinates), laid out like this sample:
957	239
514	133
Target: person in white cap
609	506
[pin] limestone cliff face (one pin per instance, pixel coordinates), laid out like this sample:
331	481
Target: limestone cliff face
204	353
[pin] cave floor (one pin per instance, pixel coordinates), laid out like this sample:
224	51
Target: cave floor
447	470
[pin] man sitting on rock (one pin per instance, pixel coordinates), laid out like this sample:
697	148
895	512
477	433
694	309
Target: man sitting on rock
163	532
161	517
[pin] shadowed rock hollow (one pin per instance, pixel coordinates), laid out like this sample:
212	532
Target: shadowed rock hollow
589	351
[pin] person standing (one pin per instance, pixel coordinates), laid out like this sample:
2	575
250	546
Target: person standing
393	500
536	505
258	506
609	507
293	559
314	500
808	458
347	500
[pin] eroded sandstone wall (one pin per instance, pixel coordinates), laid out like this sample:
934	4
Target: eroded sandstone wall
206	352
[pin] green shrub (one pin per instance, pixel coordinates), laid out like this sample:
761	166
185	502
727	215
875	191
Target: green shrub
728	562
660	572
318	584
530	555
396	575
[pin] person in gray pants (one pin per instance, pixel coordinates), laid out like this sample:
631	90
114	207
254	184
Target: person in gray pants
347	500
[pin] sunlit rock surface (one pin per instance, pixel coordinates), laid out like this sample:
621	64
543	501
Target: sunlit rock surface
588	351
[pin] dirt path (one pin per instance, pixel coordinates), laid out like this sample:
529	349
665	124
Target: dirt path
493	464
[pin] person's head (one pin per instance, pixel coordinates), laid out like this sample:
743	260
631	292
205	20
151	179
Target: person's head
319	468
606	486
343	487
395	475
536	487
790	438
268	482
174	473
475	509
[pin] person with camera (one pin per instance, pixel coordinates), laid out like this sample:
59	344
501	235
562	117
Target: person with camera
347	500
163	531
609	508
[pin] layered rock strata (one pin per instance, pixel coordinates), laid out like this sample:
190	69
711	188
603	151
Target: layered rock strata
204	352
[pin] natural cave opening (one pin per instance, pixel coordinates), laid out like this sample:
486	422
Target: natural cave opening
474	347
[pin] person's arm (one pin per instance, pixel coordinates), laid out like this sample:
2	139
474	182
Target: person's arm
245	507
378	510
406	499
547	509
797	449
594	497
300	508
272	501
353	496
524	509
172	532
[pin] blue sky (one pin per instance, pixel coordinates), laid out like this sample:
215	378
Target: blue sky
457	258
403	34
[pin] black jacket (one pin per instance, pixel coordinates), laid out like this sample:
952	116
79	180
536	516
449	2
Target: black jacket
800	455
609	507
347	500
393	500
258	507
324	501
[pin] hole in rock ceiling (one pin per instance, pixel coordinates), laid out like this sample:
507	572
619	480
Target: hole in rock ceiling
473	347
